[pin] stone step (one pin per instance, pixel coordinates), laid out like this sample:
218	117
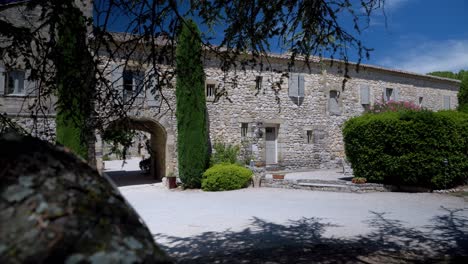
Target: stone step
323	185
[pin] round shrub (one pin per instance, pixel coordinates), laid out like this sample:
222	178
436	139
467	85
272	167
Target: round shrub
414	148
224	177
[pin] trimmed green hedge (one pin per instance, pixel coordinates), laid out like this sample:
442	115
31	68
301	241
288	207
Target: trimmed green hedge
224	177
413	148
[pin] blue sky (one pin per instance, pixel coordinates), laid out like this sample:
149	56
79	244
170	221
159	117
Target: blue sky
420	36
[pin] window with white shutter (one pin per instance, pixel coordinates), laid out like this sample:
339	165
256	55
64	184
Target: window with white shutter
296	88
365	97
14	82
334	103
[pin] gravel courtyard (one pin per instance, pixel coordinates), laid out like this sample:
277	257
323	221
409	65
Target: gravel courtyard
263	225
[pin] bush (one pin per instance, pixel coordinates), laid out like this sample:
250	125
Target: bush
393	106
224	153
414	148
224	177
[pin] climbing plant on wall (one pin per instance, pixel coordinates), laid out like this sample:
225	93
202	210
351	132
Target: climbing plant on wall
192	140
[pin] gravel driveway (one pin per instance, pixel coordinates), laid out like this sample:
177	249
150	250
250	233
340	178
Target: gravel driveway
297	226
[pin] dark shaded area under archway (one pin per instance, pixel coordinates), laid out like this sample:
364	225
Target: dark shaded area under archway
158	142
127	178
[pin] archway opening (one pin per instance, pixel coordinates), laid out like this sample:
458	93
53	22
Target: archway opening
152	137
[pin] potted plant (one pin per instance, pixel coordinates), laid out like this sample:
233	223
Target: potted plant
278	176
359	180
171	180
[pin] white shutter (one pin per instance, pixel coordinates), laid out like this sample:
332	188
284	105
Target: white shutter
2	80
446	102
301	86
117	79
29	86
365	94
139	83
396	95
293	85
150	84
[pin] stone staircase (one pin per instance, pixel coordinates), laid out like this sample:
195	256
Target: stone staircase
314	183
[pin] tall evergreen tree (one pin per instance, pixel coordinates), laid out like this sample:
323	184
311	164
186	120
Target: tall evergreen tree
463	94
75	84
192	139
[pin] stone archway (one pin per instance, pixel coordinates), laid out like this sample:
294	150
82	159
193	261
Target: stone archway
161	151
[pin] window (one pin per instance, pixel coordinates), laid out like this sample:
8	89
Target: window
258	82
14	82
296	85
132	84
388	94
333	102
244	129
420	101
210	90
309	136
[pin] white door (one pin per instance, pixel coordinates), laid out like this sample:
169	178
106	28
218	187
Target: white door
270	145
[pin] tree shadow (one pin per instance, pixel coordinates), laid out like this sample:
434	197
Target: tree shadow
127	178
302	241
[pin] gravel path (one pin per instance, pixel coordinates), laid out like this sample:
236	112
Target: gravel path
286	226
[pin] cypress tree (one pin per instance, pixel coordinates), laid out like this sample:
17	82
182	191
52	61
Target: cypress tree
463	93
75	84
192	139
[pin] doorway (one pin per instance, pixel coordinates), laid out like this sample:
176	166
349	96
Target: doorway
270	145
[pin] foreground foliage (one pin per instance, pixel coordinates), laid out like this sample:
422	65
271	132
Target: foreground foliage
224	153
415	148
224	177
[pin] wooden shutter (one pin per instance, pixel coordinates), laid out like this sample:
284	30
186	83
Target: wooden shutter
301	86
446	102
2	80
117	79
396	95
139	83
293	85
30	88
365	94
150	84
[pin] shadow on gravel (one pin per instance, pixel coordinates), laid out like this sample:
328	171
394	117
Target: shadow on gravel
301	241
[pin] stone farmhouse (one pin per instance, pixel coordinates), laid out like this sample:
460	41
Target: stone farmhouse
281	116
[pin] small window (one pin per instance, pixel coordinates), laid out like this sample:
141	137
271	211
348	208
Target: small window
14	82
244	129
420	101
258	83
388	94
133	82
309	136
333	102
210	90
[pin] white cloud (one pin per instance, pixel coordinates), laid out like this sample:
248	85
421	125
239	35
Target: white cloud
391	5
449	55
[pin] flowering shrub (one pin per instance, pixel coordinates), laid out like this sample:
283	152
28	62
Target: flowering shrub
393	106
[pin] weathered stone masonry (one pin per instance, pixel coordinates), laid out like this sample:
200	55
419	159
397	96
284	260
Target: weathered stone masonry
309	129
